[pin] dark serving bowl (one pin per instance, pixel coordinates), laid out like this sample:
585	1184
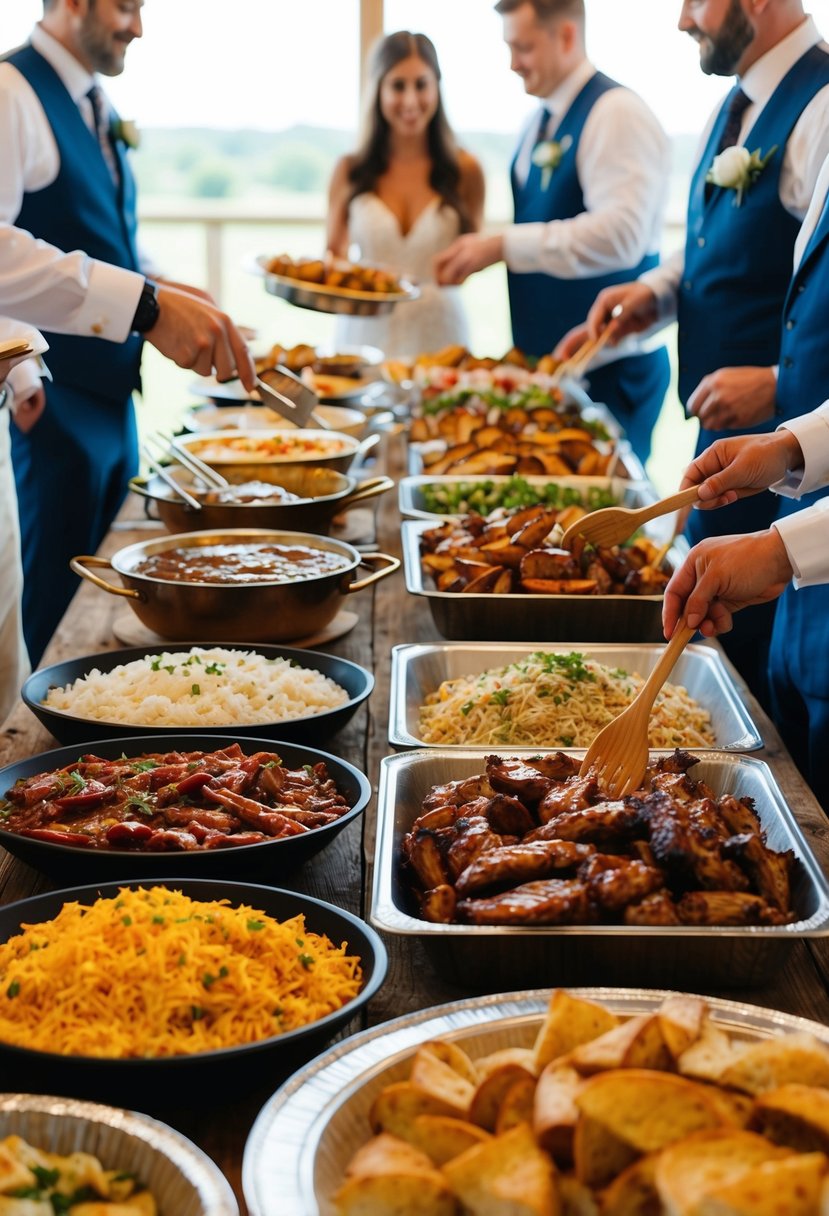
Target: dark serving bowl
267	859
313	728
179	1078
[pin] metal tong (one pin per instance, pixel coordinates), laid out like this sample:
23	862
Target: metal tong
286	393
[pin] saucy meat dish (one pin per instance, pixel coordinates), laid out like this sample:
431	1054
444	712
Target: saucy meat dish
172	801
240	564
531	842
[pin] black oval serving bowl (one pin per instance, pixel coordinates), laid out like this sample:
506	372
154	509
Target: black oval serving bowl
268	859
313	728
175	1080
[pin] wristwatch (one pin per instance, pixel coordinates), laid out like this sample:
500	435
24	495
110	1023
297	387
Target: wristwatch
147	312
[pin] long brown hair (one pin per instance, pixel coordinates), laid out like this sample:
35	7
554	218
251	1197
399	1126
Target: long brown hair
371	160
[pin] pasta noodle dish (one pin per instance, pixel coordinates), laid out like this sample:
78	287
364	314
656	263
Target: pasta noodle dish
554	700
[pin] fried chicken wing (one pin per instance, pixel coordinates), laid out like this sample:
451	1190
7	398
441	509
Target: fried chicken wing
576	794
727	908
456	793
614	882
553	901
438	905
605	824
656	909
769	871
517	777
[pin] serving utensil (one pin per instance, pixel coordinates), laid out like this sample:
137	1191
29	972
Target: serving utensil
618	756
15	348
192	463
289	396
169	480
613	525
575	367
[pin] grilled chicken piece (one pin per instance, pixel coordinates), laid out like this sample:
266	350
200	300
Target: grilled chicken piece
607	823
438	905
518	778
678	762
425	857
508	816
615	882
456	793
474	836
553	901
727	908
740	815
549	563
656	909
558	766
576	794
687	840
769	871
506	867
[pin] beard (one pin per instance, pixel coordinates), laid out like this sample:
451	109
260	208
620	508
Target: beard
103	52
720	53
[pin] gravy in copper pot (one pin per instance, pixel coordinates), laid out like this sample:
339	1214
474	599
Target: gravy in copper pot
241	564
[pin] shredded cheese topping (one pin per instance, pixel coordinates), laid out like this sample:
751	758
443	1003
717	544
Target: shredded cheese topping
554	700
153	973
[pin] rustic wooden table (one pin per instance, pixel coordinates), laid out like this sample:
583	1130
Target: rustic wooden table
342	874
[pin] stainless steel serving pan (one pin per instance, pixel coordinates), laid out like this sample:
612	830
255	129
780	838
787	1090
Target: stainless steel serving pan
342	300
412	499
254	612
417	670
544	618
307	1133
323	493
490	957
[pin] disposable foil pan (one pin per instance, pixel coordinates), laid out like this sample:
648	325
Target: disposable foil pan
627	493
545	618
489	957
417	670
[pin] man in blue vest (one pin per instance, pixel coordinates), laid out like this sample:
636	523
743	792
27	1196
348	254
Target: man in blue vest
760	158
799	657
67	180
589	182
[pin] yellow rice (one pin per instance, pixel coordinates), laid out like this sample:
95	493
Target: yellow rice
153	973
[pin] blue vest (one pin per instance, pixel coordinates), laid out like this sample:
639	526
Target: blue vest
542	307
738	260
82	209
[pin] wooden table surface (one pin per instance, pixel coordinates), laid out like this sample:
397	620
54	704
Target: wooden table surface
342	873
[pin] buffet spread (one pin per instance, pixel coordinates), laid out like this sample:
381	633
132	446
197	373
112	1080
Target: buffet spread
490	862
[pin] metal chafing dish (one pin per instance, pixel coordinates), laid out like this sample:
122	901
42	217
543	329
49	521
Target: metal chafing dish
489	957
545	618
254	612
418	670
413	502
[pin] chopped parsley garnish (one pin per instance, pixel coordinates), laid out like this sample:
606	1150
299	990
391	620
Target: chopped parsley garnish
306	960
145	766
195	690
255	925
13	989
141	803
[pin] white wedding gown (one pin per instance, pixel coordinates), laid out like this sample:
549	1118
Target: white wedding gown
434	320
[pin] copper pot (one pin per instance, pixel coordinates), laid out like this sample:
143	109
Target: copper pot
251	612
323	494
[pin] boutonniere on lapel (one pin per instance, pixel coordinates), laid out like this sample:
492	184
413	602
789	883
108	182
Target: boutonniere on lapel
126	131
738	169
548	155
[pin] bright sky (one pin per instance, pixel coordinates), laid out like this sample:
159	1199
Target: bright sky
273	63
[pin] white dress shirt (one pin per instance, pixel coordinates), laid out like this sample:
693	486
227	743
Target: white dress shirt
623	162
806	150
67	292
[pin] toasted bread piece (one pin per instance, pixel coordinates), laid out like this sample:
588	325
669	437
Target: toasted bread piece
647	1110
569	1022
507	1176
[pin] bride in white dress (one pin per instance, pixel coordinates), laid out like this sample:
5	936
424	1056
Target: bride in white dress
403	197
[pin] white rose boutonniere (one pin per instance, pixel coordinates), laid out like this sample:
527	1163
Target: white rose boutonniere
548	155
125	130
738	169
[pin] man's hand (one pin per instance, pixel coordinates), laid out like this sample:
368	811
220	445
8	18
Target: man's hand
465	256
722	575
28	409
734	398
736	468
196	334
570	343
187	287
640	310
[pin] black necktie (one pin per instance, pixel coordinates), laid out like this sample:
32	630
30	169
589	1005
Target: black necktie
738	103
101	115
543	122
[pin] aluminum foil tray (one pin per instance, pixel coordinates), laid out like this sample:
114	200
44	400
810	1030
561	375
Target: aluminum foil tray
627	493
306	1134
417	670
544	618
486	957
